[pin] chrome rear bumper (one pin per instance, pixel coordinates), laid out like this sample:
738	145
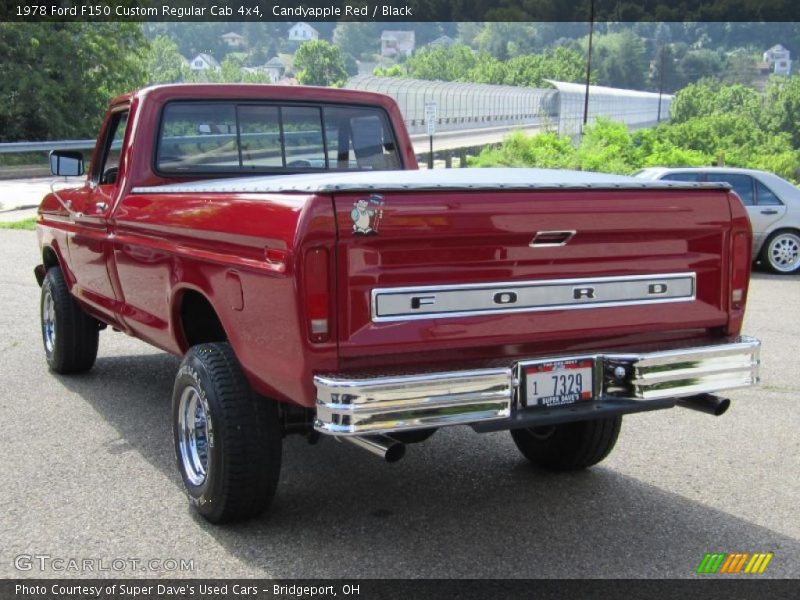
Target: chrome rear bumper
385	404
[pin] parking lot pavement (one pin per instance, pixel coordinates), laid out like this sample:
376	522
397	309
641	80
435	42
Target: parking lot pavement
88	472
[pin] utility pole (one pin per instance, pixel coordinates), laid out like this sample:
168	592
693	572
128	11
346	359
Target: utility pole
660	83
588	67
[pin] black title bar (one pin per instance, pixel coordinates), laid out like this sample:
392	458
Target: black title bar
400	10
392	589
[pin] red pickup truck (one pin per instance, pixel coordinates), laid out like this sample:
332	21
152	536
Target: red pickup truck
282	240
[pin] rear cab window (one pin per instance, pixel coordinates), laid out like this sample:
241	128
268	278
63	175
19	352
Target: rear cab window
249	137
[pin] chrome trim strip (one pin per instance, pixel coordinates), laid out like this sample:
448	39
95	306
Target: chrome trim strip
427	310
385	404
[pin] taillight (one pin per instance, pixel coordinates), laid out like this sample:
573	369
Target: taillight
316	282
740	269
741	259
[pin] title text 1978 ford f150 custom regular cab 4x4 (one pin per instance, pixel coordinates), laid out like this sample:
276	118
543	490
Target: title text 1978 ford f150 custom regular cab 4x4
284	243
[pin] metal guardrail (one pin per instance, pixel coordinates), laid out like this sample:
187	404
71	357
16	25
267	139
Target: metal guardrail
21	147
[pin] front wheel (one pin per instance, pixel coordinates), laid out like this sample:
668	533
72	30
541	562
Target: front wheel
568	446
227	438
781	253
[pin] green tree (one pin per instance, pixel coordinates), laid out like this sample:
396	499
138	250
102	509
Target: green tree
740	67
619	60
561	64
709	97
487	69
163	63
782	106
544	150
698	64
319	63
361	40
56	79
504	40
441	63
664	75
606	146
393	71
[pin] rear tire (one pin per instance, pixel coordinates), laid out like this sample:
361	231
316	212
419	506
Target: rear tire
69	334
228	440
781	253
568	446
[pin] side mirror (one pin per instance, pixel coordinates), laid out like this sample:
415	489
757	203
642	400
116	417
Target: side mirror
68	163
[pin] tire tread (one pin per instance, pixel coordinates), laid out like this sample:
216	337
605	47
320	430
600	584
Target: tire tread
572	446
248	427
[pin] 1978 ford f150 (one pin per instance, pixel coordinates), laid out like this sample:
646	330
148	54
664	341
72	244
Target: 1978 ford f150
284	243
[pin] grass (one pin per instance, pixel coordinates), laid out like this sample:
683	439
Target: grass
26	224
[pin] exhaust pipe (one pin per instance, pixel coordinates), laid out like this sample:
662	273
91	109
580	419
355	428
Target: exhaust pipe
380	445
706	403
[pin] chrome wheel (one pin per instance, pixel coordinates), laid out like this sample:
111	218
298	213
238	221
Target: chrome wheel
49	322
193	438
783	252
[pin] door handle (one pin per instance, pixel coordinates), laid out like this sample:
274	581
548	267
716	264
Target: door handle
100	207
769	211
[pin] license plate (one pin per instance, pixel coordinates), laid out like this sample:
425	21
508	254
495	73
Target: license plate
559	383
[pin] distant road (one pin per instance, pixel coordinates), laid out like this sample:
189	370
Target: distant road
22	192
449	140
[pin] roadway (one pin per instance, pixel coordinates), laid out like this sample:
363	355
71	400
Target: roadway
88	471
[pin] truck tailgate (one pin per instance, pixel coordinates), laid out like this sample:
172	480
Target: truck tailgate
513	271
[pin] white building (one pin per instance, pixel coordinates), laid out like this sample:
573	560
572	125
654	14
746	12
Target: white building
233	39
302	32
779	59
397	43
204	62
275	69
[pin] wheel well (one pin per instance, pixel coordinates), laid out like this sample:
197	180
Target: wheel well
199	320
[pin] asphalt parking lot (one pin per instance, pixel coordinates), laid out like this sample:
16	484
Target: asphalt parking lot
88	473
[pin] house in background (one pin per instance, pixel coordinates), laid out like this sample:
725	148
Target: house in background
275	69
233	40
302	32
779	60
444	40
395	44
204	62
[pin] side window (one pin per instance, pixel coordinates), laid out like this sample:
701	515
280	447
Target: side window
684	177
765	196
108	166
741	184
